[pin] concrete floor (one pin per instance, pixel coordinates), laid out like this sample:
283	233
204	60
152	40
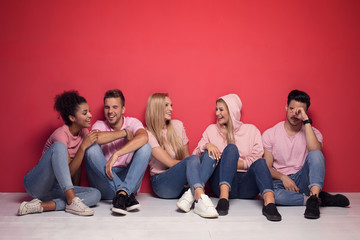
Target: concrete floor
160	219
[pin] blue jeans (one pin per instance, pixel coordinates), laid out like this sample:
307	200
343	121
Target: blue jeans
243	185
170	184
127	178
50	178
311	174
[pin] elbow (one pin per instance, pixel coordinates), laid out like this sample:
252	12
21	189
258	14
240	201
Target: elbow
313	148
143	139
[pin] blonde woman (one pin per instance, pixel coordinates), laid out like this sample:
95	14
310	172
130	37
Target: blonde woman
171	166
241	172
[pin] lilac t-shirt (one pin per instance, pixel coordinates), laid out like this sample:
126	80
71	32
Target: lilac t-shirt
63	134
156	167
131	125
289	152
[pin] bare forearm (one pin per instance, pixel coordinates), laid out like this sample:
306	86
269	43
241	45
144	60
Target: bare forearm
134	144
110	136
275	174
311	140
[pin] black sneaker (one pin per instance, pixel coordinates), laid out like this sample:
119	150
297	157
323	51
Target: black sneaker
131	203
329	200
312	208
271	213
119	204
222	207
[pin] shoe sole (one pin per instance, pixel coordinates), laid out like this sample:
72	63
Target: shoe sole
311	217
80	213
272	218
206	216
133	207
223	212
119	211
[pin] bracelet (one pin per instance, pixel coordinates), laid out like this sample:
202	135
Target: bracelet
126	133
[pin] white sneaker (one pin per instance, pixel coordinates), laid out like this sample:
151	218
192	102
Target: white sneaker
186	201
78	208
205	208
34	206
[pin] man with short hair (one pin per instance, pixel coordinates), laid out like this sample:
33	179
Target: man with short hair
293	152
117	168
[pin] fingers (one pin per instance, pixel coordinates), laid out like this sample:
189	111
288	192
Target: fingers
213	153
292	187
108	171
300	113
93	136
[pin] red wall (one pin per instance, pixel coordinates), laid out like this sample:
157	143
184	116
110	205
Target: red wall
196	51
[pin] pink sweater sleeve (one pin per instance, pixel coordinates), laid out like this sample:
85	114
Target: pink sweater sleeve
257	150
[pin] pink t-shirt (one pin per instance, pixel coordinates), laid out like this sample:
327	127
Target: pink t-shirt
63	134
289	152
156	167
130	124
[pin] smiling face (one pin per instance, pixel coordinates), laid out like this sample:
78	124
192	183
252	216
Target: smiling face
222	113
113	111
168	108
82	116
292	115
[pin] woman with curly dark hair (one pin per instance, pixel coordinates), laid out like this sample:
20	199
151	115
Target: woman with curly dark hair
50	182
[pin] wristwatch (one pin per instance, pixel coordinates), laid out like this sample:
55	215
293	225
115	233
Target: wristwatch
308	121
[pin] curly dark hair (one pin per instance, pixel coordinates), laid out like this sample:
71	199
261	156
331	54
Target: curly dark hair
67	103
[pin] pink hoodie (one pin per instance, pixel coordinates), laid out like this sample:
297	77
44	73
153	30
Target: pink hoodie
247	136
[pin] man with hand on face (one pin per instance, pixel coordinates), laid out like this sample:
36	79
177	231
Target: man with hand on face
293	152
117	168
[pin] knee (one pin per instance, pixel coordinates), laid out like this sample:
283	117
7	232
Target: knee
145	150
92	151
231	147
315	157
316	154
232	150
259	164
193	159
59	147
206	158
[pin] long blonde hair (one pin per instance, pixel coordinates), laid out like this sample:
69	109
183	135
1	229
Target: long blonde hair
229	127
155	121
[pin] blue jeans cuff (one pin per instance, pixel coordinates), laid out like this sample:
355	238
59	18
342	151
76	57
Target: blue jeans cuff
226	183
267	190
315	184
195	186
